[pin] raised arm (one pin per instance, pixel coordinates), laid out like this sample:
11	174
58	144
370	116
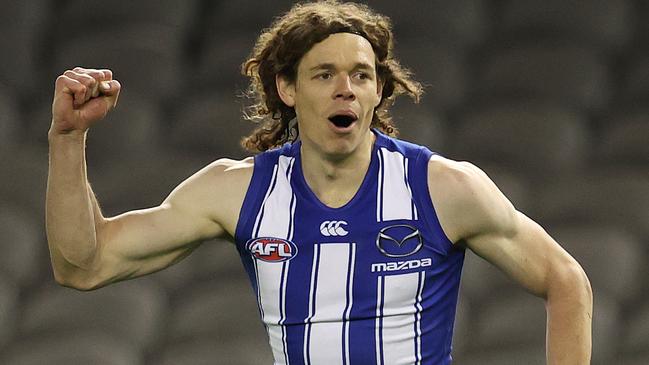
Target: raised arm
473	212
88	250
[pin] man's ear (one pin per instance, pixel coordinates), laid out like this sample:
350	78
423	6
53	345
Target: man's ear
379	91
286	90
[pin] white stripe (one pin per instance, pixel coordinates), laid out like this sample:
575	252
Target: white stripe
399	318
350	294
379	190
276	222
377	324
261	209
412	201
283	308
397	199
422	277
330	305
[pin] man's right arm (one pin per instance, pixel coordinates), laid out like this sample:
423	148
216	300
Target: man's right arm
89	250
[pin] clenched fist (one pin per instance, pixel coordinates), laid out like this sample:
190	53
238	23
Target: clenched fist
81	97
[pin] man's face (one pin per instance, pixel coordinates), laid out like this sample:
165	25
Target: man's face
335	93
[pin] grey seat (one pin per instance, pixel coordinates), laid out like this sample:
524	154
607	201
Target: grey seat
23	170
534	355
220	308
9	308
420	123
442	70
508	320
213	260
75	14
130	311
22	243
10	119
572	75
607	24
623	139
144	57
636	337
78	347
533	138
612	257
218	63
132	130
200	123
460	24
22	25
208	351
635	78
225	17
612	196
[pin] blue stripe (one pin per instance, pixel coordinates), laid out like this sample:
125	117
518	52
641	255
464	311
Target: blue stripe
348	303
315	290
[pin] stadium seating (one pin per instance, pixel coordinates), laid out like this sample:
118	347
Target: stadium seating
21	244
213	259
536	138
460	24
199	121
606	24
573	75
442	71
623	139
604	196
23	27
78	347
132	312
204	351
636	77
10	118
9	300
196	312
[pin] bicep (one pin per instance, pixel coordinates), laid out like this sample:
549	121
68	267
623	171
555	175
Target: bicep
525	252
147	240
473	211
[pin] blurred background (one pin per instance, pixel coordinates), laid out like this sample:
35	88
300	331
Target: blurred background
549	97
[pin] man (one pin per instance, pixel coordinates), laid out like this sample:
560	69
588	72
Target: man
353	240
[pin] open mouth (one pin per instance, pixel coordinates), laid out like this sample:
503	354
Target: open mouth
342	120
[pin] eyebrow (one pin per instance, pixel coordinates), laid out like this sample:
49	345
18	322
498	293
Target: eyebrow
331	66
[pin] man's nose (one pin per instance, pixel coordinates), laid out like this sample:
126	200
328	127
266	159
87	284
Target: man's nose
344	89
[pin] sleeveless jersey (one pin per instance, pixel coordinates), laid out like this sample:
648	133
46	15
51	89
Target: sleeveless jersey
372	282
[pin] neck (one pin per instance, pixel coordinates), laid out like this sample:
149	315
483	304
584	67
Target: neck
335	179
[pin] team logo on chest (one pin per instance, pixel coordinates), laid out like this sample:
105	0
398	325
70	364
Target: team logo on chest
271	249
333	228
399	240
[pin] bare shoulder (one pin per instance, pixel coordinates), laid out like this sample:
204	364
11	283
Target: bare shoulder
466	200
216	191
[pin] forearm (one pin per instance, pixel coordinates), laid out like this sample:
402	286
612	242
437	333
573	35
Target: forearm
570	307
72	213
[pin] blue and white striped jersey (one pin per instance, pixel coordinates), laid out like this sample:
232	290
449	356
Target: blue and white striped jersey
372	282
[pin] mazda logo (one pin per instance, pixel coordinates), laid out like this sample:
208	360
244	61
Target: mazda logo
399	240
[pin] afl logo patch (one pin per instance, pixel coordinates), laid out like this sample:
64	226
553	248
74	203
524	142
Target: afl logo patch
271	249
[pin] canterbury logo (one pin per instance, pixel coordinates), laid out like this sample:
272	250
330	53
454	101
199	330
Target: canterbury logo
333	228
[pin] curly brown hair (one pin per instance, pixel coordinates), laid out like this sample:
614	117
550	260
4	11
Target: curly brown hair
280	48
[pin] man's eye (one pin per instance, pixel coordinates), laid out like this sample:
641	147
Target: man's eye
363	75
324	76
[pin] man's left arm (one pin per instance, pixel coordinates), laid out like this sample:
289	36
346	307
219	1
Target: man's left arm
475	213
